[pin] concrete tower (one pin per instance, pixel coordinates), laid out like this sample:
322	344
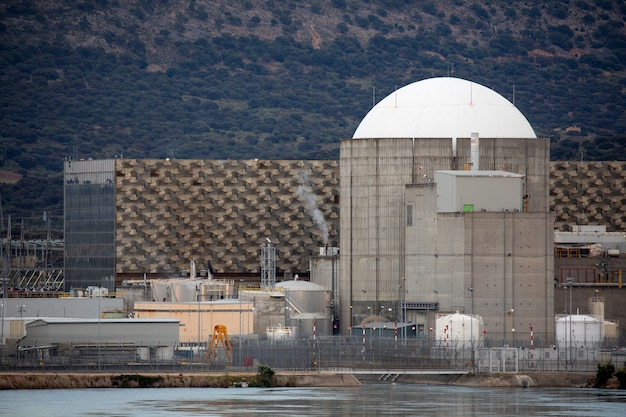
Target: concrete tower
444	207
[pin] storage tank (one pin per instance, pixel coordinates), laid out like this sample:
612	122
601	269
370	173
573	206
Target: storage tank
307	307
306	297
459	330
578	330
611	331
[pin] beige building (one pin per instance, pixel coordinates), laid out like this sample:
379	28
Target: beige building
198	320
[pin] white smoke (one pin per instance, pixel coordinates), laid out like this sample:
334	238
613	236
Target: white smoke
310	204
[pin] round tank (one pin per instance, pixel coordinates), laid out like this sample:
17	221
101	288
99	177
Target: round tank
459	330
578	330
596	308
611	330
305	297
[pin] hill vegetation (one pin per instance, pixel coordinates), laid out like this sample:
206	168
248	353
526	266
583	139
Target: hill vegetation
284	79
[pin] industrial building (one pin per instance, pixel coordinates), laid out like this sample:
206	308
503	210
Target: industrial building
59	341
125	217
198	319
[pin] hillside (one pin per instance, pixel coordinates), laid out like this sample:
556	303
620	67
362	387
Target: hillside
284	79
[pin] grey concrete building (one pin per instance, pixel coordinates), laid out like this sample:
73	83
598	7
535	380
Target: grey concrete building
72	342
406	259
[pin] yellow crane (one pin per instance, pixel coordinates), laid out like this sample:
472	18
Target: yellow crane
220	336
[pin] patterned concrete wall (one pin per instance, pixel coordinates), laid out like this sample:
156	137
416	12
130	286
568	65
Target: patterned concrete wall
588	193
170	212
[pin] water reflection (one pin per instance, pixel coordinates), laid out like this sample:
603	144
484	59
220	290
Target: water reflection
367	400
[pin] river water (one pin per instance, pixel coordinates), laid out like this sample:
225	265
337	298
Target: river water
366	400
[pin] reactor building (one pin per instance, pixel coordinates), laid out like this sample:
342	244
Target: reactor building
445	207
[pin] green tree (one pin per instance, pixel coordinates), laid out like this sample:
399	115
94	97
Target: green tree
265	376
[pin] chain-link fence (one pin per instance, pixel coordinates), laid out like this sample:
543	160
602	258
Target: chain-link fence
321	353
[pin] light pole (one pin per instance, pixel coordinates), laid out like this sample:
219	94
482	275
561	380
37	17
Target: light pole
2	336
99	333
198	302
471	293
240	331
513	324
568	343
351	318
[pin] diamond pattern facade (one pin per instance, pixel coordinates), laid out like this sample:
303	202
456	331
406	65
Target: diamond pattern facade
588	193
171	212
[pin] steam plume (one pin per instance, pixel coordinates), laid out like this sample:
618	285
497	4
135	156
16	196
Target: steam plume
310	204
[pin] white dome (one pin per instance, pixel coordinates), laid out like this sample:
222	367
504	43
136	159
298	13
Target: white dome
444	108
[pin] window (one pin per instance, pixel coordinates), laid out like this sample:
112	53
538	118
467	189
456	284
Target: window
409	215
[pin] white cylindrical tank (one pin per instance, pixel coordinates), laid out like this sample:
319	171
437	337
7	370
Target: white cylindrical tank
578	330
459	330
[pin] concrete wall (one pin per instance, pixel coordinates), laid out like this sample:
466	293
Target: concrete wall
528	157
377	257
510	269
434	252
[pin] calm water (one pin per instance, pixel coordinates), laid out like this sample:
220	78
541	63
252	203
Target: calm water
367	400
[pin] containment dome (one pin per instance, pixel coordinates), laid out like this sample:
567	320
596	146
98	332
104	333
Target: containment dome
444	108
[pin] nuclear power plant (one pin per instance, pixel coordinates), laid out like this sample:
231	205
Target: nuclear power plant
443	221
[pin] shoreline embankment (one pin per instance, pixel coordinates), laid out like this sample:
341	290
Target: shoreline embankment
66	380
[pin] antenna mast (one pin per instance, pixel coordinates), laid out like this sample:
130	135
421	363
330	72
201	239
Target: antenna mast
373	96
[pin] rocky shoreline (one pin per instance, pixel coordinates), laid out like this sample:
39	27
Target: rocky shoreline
55	380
